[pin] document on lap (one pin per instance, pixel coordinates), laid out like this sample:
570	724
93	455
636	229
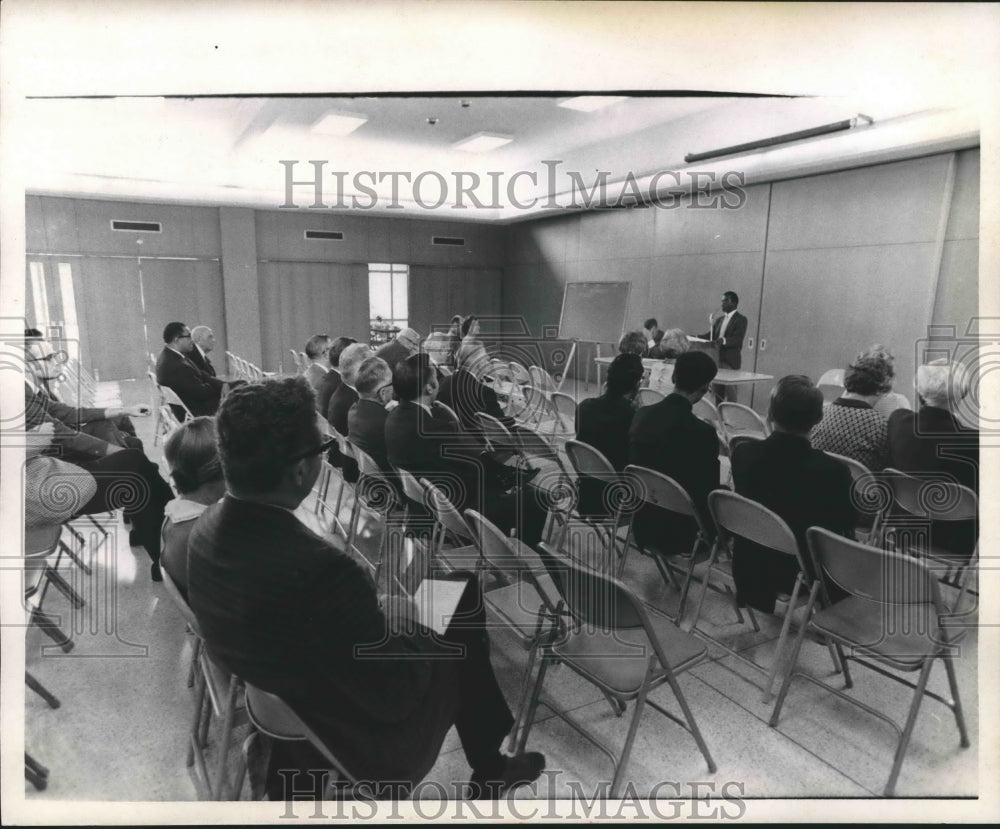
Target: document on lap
437	600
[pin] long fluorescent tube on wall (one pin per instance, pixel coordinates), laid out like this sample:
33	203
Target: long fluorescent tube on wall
338	124
591	103
826	129
482	142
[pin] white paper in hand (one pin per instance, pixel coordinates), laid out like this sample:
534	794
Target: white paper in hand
437	600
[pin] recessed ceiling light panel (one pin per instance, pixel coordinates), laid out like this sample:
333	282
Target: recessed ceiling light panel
338	123
482	142
592	103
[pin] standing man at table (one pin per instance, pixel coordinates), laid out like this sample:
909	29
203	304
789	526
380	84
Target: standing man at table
728	330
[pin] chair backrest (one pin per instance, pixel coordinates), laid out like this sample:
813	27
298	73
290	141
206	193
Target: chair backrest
538	405
647	397
873	573
593	598
494	431
736	440
541	379
182	605
296	364
411	487
930	497
533	445
448	412
662	491
171	398
832	377
705	409
737	418
565	407
445	513
519	373
493	544
736	515
586	460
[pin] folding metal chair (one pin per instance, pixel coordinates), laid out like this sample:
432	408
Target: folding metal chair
450	526
654	489
738	419
43	552
831	384
448	412
526	603
542	380
613	643
564	407
871	496
927	520
894	617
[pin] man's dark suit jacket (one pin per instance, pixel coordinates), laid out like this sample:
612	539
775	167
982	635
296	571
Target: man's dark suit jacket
805	487
366	430
199	391
392	352
284	609
604	422
202	363
465	394
69	441
328	384
668	438
731	350
932	440
340	404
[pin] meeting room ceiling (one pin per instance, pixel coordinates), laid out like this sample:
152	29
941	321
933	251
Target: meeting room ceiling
85	130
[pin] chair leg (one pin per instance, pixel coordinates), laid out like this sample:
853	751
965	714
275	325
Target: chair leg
793	661
956	706
911	719
704	586
41	690
79	562
692	724
64	587
536	691
785	625
640	704
51	629
35	773
219	790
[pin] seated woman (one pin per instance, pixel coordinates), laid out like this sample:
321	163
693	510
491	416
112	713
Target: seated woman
850	425
673	343
197	473
890	400
634	342
604	422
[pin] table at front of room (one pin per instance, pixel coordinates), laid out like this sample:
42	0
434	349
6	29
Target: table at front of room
725	376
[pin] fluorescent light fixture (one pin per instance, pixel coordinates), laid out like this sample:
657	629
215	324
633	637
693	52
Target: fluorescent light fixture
482	142
338	123
592	103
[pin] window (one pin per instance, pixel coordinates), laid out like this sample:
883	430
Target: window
388	305
71	329
39	296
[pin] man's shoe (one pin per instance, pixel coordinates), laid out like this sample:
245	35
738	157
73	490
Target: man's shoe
155	573
519	770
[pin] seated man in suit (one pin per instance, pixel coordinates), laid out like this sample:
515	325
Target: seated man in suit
464	393
604	422
291	613
346	394
330	381
804	486
203	339
126	479
407	342
366	418
651	328
429	446
318	353
667	437
199	390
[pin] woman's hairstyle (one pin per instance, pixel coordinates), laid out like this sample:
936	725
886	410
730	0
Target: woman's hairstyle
868	375
634	342
624	374
674	343
192	454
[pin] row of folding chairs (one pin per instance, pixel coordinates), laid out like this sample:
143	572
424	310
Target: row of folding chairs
75	386
240	369
893	500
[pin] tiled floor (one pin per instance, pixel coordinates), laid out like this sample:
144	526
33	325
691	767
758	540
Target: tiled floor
120	734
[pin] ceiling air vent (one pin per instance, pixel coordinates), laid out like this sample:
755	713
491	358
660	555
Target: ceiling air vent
454	241
325	235
136	227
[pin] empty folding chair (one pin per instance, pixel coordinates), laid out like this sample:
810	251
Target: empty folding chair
894	618
565	414
43	552
871	496
542	380
375	493
616	645
660	496
935	520
297	365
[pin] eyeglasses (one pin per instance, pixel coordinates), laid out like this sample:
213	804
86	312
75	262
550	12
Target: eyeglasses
317	450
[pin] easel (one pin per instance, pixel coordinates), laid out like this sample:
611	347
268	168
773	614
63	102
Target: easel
569	362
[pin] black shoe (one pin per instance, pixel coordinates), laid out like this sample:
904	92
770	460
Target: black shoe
519	770
154	572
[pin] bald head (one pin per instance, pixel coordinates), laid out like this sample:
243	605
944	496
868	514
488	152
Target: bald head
203	337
